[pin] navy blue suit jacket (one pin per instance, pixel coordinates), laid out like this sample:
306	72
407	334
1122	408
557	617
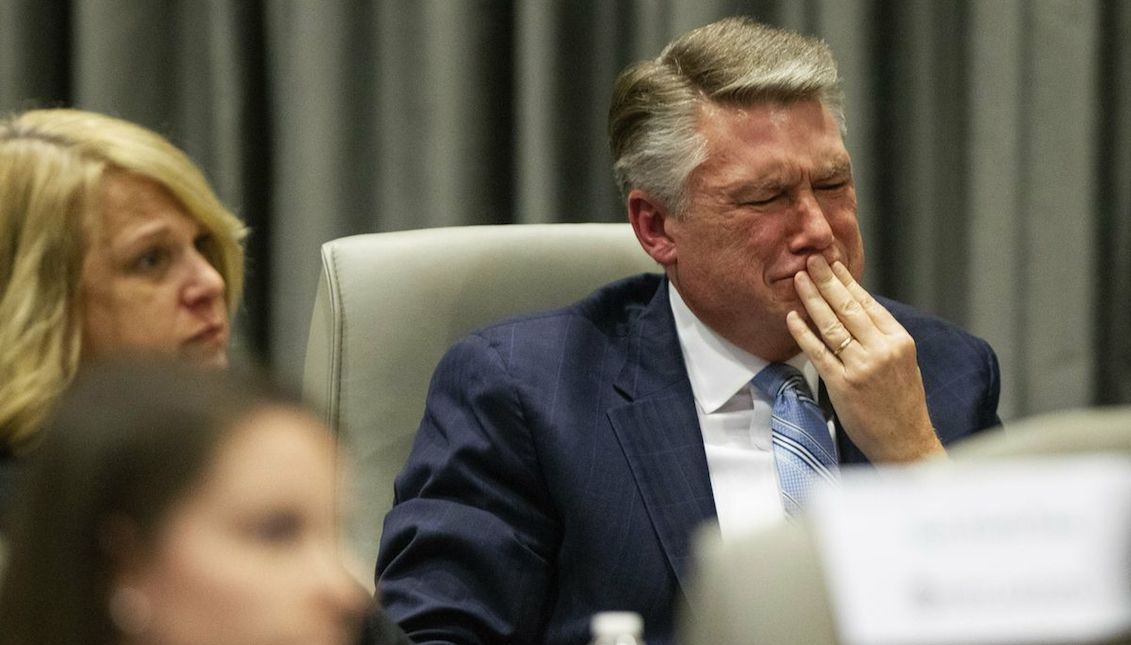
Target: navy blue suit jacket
559	470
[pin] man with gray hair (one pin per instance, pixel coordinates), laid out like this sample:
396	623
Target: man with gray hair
565	459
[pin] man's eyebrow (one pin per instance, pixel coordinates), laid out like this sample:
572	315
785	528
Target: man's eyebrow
765	185
746	187
836	169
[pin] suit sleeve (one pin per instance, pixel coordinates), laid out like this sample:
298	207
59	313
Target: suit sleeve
377	629
467	550
989	413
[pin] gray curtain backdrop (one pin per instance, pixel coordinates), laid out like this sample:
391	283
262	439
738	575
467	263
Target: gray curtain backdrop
992	140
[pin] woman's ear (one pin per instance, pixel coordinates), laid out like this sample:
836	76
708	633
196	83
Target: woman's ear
649	221
127	603
121	543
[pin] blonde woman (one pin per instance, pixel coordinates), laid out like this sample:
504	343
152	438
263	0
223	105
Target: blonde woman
110	239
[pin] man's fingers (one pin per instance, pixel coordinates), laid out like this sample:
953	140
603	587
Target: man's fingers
843	303
829	329
814	347
879	315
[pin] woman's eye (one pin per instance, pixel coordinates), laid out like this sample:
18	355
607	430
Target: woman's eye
277	528
151	259
203	242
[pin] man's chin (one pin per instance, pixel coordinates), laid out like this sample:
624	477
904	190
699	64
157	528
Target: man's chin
786	298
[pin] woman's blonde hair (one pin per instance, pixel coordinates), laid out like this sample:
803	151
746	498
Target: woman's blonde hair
52	163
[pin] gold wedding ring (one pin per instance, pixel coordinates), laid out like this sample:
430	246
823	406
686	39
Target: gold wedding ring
840	347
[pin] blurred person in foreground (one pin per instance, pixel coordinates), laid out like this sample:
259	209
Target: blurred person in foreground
112	240
172	505
565	459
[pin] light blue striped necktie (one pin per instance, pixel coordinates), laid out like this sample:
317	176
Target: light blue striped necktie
803	448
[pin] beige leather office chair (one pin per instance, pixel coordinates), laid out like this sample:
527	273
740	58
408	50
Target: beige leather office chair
770	587
389	305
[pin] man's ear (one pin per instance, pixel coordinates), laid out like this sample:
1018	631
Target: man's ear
650	221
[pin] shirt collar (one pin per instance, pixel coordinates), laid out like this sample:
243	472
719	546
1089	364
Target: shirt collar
716	367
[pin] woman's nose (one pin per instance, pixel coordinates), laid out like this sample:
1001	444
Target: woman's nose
338	586
205	282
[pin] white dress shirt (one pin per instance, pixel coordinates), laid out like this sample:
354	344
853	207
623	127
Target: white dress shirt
735	420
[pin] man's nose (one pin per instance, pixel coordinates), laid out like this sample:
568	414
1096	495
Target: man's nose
812	232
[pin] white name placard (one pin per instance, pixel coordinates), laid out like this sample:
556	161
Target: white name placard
1035	551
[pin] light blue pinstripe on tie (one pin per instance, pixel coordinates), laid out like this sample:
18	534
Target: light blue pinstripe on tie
803	448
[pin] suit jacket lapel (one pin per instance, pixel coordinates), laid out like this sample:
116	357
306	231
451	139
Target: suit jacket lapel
658	429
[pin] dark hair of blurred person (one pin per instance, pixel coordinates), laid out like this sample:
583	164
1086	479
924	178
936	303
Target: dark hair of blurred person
168	504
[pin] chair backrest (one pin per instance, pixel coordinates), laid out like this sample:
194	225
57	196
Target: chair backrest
772	586
389	305
1067	432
